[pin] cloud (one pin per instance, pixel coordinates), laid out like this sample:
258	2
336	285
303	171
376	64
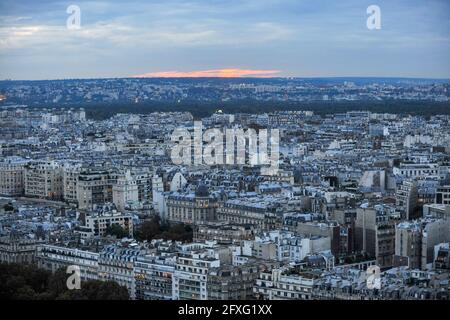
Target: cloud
315	38
221	73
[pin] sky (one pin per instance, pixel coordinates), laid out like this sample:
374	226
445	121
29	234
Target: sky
227	38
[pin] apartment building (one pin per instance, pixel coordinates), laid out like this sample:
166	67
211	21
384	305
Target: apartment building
116	263
285	283
96	222
190	277
413	170
285	246
229	282
415	241
407	198
52	258
44	179
375	235
253	211
443	195
223	232
434	232
125	191
153	277
94	187
12	176
71	173
144	184
408	245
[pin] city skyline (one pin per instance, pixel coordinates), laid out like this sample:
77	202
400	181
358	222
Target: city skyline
223	38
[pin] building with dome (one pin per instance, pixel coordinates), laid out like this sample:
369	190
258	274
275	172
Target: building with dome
192	207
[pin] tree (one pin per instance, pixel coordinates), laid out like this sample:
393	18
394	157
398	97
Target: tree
155	228
8	207
148	230
20	282
96	290
116	230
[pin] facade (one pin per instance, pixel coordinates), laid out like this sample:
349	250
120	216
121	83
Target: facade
229	282
408	245
16	250
284	284
442	256
116	263
52	258
253	212
98	221
223	232
415	242
443	195
94	187
125	191
334	232
375	235
12	177
191	274
153	277
435	231
284	246
189	208
407	198
44	179
144	183
412	170
70	180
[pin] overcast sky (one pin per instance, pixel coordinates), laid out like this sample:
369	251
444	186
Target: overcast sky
305	38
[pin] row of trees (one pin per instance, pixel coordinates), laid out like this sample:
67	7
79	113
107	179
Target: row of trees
28	282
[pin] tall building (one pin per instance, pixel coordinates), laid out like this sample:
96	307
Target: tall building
153	277
408	245
94	187
71	172
44	179
443	195
375	235
435	231
12	176
116	263
407	198
415	241
191	274
144	183
125	191
157	195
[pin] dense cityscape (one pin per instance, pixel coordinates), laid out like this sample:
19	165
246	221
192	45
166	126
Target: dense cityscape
224	158
353	192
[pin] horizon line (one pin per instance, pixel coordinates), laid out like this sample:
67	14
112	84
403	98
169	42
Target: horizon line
227	78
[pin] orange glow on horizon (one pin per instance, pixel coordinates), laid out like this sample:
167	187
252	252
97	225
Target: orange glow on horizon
221	73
